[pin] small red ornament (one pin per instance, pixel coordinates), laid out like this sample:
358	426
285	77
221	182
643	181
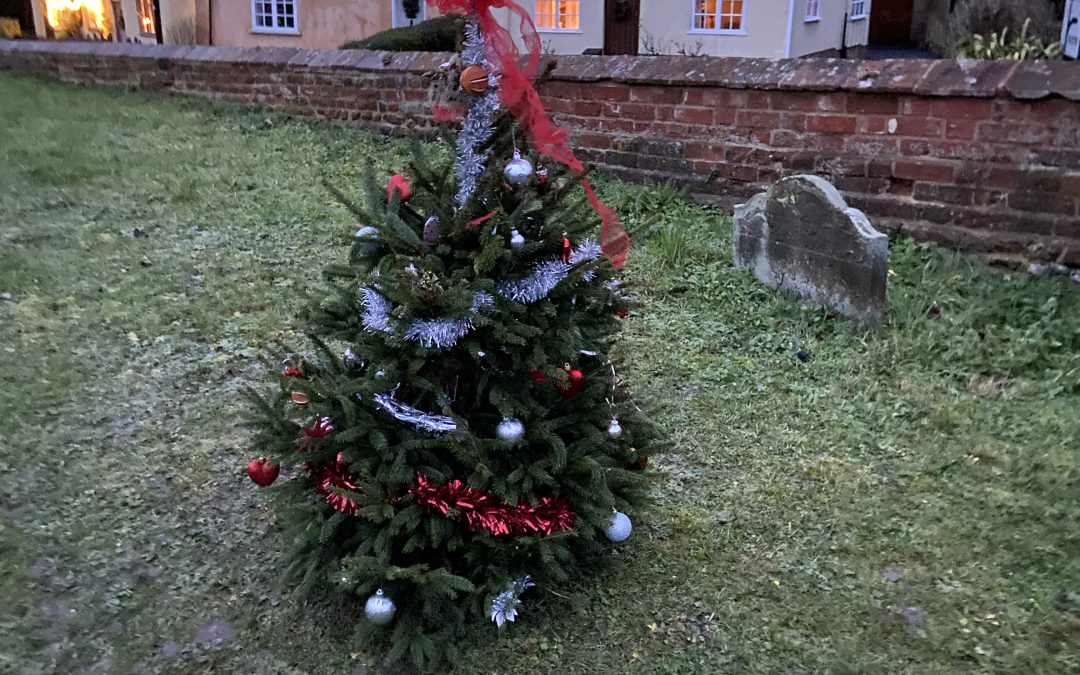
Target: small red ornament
640	464
623	313
291	371
566	250
575	380
323	427
537	376
398	183
263	472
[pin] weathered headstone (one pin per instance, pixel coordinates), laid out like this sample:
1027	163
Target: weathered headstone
801	236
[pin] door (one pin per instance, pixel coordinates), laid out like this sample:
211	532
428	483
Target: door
622	20
890	21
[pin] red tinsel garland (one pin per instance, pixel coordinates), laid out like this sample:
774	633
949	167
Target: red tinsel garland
331	475
484	513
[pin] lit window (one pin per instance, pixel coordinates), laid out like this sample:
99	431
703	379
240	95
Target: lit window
274	16
146	16
860	9
813	10
556	15
718	15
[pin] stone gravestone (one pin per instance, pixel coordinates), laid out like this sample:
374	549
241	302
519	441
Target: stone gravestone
801	236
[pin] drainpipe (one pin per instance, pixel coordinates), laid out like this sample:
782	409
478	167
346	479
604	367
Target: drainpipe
790	28
843	38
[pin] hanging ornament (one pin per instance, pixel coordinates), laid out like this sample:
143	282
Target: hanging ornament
542	175
474	80
516	240
619	528
263	472
518	170
622	313
379	609
300	398
614	429
399	184
567	249
323	427
369	237
431	231
575	380
291	371
510	430
505	605
536	375
640	464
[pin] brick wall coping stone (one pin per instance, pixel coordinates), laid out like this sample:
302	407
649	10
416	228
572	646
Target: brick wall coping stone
1021	80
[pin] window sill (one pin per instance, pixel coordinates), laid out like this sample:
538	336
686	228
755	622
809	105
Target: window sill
813	19
144	34
698	31
560	30
861	17
270	31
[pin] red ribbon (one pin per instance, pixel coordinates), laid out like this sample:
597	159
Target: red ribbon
522	100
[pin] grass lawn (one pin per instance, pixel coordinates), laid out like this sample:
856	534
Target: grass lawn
904	501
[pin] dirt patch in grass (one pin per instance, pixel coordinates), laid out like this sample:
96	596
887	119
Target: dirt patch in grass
900	501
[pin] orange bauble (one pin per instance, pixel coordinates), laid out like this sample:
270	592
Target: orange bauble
474	80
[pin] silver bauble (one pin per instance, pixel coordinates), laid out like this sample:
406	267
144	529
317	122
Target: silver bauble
614	429
370	236
518	170
619	528
379	609
510	431
516	240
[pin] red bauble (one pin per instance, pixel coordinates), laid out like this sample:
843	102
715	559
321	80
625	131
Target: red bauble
537	376
622	313
575	380
399	184
640	464
263	472
291	371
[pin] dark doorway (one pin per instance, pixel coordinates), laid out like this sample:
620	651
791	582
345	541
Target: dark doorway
21	10
890	21
622	19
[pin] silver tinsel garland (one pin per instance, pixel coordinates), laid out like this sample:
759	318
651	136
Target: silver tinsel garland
417	418
479	122
445	333
547	275
505	605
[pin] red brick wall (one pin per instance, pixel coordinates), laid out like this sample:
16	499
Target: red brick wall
983	155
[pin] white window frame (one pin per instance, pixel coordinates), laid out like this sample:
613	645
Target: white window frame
813	11
395	22
558	16
695	14
865	13
273	28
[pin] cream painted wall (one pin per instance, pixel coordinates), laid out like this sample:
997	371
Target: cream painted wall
668	23
591	35
827	33
324	24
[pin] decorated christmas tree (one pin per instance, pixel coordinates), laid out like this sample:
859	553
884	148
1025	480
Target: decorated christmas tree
463	435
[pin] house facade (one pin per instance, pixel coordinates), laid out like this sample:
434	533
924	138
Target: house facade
760	28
